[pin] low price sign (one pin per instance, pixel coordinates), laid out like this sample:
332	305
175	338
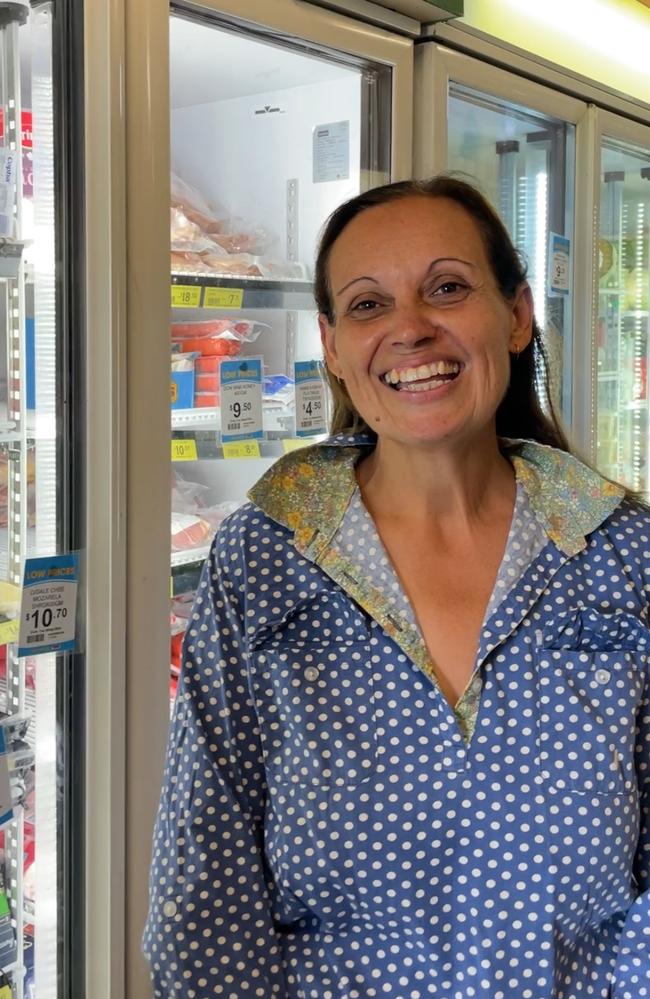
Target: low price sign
241	399
311	414
48	618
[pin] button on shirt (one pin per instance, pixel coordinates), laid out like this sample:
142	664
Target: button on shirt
331	828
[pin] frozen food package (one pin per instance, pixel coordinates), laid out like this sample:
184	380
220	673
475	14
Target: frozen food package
216	337
183	195
187	237
189	531
239	236
183	362
184	262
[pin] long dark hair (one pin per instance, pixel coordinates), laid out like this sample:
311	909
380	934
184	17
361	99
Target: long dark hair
521	413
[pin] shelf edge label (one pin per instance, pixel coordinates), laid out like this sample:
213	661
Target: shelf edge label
223	298
184	450
186	296
242	449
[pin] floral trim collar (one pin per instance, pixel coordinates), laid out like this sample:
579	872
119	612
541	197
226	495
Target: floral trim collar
309	490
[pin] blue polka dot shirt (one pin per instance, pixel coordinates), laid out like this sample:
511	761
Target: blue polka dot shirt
331	828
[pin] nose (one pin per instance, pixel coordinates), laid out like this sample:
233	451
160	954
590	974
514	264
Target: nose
412	327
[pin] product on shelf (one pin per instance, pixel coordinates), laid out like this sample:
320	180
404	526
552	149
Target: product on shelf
204	239
188	531
194	517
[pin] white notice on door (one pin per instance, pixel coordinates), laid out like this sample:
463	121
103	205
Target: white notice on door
332	151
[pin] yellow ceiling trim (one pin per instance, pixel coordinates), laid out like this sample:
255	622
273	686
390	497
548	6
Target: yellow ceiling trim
605	40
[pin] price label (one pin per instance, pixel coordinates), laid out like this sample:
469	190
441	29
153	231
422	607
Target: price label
223	298
48	612
293	444
241	399
184	450
311	399
242	449
186	296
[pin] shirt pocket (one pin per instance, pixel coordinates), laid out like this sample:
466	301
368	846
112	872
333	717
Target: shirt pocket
588	707
316	709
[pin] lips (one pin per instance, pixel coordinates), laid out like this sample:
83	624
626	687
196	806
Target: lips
422	377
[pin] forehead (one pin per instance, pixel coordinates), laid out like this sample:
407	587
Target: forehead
404	229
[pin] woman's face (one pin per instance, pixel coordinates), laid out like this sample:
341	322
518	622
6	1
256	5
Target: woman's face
422	334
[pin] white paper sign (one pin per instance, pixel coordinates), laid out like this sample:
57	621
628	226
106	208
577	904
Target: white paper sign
331	152
48	612
241	399
8	160
559	264
311	411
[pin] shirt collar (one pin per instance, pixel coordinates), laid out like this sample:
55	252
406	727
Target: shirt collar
309	490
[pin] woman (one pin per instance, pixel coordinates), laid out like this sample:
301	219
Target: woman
410	752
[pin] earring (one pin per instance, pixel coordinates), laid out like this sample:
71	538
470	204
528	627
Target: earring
515	351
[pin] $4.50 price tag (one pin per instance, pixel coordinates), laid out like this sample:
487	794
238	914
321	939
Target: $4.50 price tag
48	612
311	404
241	399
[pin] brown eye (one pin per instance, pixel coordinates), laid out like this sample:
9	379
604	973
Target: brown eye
364	306
451	290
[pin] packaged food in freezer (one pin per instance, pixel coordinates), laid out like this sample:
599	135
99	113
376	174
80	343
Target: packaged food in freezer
235	235
206	400
189	531
216	337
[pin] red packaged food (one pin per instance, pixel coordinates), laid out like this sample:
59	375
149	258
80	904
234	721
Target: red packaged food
213	327
206	382
213	346
206	399
207	365
188	531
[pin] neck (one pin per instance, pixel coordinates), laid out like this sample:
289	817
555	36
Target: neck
463	482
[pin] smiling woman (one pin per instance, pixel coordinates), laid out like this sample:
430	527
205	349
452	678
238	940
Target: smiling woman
415	684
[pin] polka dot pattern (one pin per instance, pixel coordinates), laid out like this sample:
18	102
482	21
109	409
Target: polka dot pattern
326	832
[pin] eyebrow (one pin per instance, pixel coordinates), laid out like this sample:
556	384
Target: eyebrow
434	263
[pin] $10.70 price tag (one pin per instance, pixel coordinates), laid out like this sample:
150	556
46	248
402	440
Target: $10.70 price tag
311	408
241	399
48	613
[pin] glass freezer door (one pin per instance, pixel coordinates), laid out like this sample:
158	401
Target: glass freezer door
523	161
267	138
623	313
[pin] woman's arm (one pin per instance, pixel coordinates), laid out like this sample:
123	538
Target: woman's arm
210	929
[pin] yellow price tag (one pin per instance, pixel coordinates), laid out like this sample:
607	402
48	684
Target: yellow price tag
242	449
223	298
184	450
186	296
294	443
9	631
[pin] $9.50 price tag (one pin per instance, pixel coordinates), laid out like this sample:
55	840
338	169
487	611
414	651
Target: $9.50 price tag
311	408
48	612
241	399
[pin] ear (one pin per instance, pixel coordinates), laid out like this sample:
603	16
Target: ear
329	345
523	313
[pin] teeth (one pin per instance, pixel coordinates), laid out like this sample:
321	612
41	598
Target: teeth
436	368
